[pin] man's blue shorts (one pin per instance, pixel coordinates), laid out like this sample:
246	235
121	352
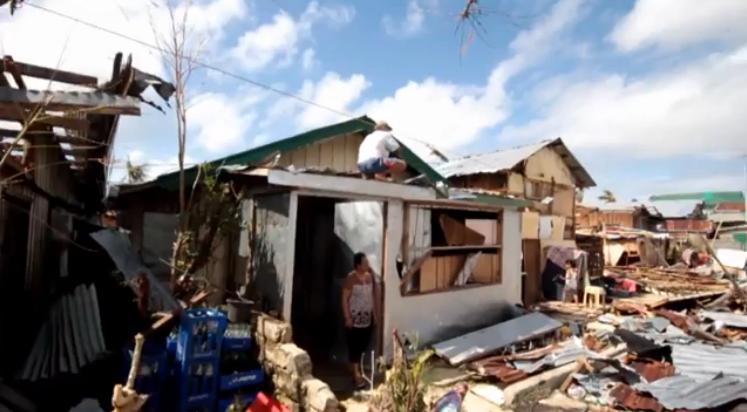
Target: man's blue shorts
375	165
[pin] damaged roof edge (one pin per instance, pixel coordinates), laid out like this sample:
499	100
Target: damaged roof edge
362	124
507	159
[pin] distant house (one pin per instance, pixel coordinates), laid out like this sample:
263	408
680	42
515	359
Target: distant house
642	217
445	263
545	174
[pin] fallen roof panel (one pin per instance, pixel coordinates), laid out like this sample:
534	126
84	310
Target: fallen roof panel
728	318
684	392
701	361
488	340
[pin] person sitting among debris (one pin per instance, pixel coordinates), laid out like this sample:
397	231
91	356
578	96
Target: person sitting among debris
376	154
359	294
571	282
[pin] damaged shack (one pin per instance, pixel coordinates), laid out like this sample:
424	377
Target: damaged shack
62	310
547	176
443	263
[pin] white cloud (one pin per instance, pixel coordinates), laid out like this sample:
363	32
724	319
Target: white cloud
696	108
443	114
673	24
449	116
331	91
412	24
278	41
219	122
308	60
86	50
136	156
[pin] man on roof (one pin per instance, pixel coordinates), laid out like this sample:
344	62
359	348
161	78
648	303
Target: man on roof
377	153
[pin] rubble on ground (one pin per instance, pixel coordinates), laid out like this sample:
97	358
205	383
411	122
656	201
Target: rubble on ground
679	343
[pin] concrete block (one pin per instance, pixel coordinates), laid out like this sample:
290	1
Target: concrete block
271	331
289	359
318	397
292	405
288	386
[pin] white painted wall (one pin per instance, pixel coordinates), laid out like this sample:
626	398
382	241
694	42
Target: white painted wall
437	316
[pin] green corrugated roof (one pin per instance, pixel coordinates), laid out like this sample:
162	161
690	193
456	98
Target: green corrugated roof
362	124
707	197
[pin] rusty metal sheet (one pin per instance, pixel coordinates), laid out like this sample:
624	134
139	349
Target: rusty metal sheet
629	398
502	371
653	370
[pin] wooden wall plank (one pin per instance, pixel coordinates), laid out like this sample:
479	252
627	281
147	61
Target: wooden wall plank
298	157
326	154
338	157
313	155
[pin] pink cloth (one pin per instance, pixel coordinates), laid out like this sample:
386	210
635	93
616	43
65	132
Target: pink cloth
627	284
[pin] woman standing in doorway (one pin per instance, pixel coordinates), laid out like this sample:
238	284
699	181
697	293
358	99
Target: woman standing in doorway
359	294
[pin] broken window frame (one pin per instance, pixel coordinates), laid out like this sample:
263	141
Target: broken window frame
410	278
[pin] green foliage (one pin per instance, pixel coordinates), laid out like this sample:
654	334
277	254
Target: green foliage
404	383
135	173
212	214
607	197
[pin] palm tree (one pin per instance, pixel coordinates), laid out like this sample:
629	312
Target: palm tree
607	197
135	173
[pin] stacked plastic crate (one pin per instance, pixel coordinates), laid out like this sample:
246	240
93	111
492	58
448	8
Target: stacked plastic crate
198	359
241	374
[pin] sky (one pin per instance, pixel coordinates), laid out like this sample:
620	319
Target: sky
649	94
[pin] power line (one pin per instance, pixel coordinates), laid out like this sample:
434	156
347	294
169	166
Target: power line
221	71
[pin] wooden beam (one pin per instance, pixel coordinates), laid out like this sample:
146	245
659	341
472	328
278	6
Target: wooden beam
15	72
6	113
97	102
50	74
349	185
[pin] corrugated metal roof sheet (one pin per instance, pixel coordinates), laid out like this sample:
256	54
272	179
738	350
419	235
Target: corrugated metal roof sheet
69	339
510	158
488	340
489	162
685	392
728	318
567	353
702	362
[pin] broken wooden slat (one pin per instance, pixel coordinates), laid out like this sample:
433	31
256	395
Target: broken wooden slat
457	234
414	269
40	72
95	102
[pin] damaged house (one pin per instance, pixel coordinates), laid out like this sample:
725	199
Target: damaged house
547	176
446	265
56	151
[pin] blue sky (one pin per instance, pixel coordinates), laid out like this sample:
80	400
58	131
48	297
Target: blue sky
649	94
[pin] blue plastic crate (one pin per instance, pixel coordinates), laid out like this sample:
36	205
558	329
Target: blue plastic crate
197	360
198	384
245	399
241	379
236	344
238	337
200	334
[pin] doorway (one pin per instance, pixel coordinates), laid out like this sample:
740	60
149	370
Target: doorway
13	256
329	231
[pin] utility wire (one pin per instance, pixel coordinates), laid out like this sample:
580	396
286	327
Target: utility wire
220	70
